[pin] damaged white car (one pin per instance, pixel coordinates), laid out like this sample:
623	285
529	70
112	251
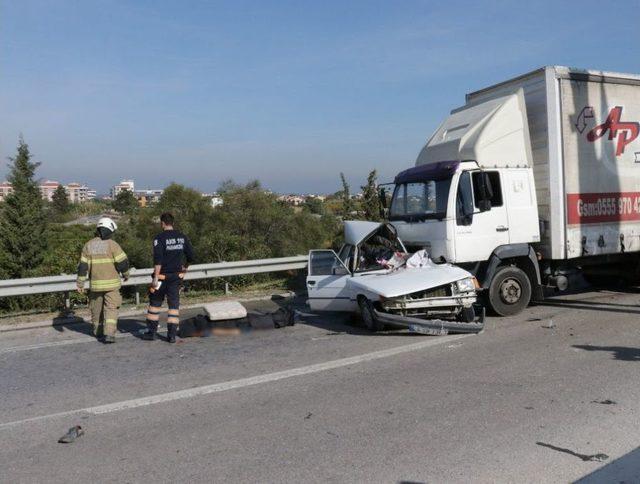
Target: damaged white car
373	275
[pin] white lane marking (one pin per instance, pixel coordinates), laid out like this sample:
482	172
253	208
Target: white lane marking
242	382
37	346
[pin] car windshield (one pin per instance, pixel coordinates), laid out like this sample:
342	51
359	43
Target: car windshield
381	250
420	200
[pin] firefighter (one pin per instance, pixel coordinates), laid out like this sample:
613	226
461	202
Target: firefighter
172	254
103	262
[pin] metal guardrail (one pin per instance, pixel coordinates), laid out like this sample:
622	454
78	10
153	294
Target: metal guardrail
140	277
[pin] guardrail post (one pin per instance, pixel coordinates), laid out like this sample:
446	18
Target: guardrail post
226	288
67	301
137	296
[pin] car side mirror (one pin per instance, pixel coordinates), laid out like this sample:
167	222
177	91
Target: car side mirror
339	271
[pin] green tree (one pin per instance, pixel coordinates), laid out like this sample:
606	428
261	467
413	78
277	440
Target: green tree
23	221
125	202
60	202
347	201
314	205
370	199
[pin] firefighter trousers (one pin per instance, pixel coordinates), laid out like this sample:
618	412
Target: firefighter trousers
104	311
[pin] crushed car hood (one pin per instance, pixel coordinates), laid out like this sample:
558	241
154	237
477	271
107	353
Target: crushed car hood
405	281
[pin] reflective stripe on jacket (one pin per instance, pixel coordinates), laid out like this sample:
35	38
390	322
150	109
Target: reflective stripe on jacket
102	262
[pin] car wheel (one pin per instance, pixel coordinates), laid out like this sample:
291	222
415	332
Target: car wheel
510	291
369	318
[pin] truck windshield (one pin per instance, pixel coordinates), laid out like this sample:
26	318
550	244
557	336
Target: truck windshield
420	200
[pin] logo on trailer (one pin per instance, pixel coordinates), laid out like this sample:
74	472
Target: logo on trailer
623	132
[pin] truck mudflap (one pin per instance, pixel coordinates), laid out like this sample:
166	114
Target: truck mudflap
432	326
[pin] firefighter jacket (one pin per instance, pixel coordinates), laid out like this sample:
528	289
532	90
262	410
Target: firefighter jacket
102	262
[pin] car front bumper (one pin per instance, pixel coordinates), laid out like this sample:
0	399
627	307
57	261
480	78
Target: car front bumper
432	326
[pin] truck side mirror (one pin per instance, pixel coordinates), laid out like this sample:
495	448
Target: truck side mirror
382	194
485	192
484	205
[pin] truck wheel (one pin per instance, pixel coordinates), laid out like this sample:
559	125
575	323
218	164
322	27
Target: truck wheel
509	292
368	316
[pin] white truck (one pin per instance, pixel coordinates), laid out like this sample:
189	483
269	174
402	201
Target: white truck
532	180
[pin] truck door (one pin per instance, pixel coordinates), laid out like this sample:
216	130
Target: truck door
326	282
477	234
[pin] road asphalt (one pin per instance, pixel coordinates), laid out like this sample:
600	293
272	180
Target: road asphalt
550	395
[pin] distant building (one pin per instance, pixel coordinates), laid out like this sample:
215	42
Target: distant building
146	197
216	201
92	194
5	190
294	200
123	185
48	188
78	193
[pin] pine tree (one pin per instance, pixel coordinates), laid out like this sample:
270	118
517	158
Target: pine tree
347	202
23	221
370	198
60	201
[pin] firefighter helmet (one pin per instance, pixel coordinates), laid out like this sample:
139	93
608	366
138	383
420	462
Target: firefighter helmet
107	223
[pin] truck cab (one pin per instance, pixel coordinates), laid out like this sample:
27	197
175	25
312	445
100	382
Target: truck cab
470	200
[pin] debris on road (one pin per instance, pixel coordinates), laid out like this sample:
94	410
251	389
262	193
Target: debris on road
309	415
585	457
71	435
280	318
225	310
549	324
605	402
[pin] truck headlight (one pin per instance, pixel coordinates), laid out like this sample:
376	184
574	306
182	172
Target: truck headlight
466	285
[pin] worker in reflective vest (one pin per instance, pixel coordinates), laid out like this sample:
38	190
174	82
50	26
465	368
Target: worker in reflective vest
103	262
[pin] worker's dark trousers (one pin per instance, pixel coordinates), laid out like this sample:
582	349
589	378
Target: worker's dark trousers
169	289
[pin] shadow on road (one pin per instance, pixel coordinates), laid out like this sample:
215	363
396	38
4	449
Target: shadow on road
624	469
591	306
623	353
125	325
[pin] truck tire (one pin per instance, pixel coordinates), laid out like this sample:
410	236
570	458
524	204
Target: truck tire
510	291
369	318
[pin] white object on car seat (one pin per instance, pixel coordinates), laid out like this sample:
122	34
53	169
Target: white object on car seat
218	311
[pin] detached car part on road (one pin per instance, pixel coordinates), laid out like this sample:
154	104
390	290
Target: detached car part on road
373	275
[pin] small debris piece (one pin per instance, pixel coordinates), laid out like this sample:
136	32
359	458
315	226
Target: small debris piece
605	402
585	457
549	324
71	435
534	319
308	416
528	408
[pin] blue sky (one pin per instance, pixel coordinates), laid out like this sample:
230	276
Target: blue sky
289	92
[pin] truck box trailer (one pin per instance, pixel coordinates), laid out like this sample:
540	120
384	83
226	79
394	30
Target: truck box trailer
535	177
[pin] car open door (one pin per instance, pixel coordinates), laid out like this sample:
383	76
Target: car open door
327	282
